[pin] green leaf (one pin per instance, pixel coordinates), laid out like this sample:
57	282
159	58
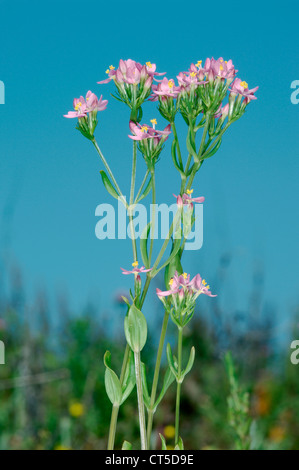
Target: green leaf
168	380
175	249
174	158
212	151
127	446
129	378
190	362
146	397
164	446
180	445
190	146
143	244
171	362
112	383
146	191
135	329
108	185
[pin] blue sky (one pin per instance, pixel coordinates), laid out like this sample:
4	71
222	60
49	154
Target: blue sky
49	174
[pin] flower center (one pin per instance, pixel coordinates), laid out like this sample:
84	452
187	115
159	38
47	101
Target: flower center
144	129
244	84
135	264
170	84
199	62
78	105
149	65
189	191
193	74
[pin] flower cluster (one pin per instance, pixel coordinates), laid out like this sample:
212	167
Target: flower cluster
86	110
150	140
133	82
182	296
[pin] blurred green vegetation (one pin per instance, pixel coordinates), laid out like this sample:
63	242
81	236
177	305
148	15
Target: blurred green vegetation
52	393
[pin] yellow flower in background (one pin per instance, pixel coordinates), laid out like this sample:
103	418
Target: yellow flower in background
169	432
76	409
61	447
277	434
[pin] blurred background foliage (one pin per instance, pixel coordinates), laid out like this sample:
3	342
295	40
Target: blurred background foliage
52	393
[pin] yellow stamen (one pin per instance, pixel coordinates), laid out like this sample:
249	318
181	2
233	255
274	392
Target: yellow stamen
78	105
244	84
185	275
204	282
199	62
107	71
225	61
135	264
189	191
111	67
171	282
170	84
207	287
221	67
149	65
193	74
144	129
154	122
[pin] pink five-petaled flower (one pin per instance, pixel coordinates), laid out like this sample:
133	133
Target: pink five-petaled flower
187	199
90	103
130	72
240	87
219	68
165	89
182	287
143	131
136	270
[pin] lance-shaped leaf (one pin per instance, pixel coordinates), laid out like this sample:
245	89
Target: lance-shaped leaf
175	249
135	329
108	185
171	361
180	445
127	446
146	190
129	378
189	364
146	397
212	151
164	446
168	380
112	383
143	245
191	146
174	158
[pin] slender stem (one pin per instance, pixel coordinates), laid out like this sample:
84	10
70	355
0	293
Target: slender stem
142	186
175	135
178	393
112	428
140	401
107	166
156	377
133	177
199	163
153	215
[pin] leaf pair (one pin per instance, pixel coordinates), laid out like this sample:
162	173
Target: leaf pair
172	362
168	380
117	392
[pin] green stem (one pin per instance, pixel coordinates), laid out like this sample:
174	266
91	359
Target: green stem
142	186
107	167
153	215
112	428
133	178
156	377
115	409
141	409
178	393
198	164
175	135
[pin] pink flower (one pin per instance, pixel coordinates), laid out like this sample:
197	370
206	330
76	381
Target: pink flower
219	68
181	286
186	79
85	105
166	89
240	87
130	72
136	270
222	111
143	131
186	199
